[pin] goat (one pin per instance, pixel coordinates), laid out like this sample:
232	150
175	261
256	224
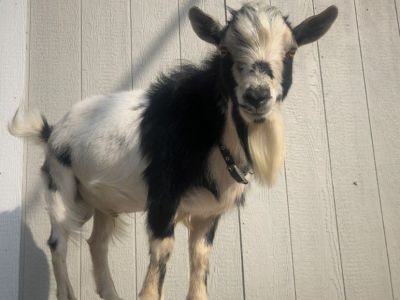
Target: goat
184	149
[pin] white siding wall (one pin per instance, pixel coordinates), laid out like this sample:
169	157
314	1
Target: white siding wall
330	228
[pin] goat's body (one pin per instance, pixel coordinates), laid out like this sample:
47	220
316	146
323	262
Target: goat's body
102	137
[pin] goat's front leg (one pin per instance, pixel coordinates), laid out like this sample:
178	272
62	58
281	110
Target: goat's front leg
201	237
160	251
161	239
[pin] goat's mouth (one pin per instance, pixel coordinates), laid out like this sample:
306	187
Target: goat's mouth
252	114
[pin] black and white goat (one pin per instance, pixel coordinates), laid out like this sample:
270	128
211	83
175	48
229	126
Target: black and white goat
181	150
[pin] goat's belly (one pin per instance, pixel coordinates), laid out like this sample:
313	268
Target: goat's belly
115	198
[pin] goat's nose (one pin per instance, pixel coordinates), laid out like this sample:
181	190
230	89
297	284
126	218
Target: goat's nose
257	97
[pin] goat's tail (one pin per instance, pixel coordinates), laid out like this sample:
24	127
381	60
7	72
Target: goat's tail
30	125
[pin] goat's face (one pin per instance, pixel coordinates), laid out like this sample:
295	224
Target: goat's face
261	44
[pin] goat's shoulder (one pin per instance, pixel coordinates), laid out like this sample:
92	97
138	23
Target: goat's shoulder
184	119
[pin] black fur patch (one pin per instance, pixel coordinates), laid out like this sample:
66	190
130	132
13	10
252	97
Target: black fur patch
241	128
210	235
314	27
63	155
46	130
46	172
182	123
209	183
162	269
52	242
263	67
286	76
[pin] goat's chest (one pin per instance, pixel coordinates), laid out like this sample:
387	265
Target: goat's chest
203	202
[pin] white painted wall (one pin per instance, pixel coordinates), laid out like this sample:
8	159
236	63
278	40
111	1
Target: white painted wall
13	14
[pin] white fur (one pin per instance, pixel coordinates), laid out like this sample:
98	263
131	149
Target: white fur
266	145
28	125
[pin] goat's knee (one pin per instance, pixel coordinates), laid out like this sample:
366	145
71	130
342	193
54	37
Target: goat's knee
160	251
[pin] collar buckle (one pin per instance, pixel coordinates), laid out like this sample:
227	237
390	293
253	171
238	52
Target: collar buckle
235	172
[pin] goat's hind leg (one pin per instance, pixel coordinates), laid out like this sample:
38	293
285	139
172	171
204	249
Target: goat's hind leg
103	226
67	214
58	242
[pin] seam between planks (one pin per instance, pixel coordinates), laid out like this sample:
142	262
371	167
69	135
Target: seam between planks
81	92
330	162
290	230
397	15
373	148
241	253
134	215
25	103
179	34
81	230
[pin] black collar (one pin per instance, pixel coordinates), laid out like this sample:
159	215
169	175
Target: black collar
236	173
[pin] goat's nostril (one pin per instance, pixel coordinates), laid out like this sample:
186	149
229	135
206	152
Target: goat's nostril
257	97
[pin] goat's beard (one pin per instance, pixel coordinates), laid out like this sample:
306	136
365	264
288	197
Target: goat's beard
266	146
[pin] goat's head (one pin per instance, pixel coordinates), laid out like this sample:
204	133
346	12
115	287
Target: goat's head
261	44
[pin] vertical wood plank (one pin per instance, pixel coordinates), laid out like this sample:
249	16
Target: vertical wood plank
155	48
54	84
380	47
13	21
362	240
266	245
267	257
106	68
397	4
225	278
316	258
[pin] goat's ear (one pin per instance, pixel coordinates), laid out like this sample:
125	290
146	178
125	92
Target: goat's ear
205	26
314	27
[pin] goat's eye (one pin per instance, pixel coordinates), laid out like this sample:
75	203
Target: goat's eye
240	68
290	54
